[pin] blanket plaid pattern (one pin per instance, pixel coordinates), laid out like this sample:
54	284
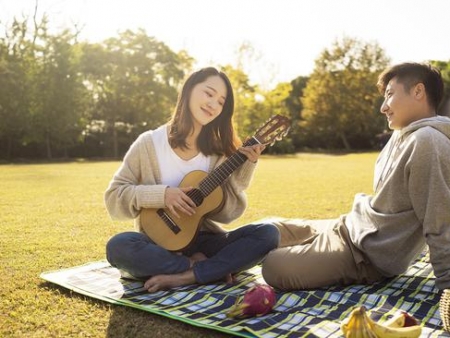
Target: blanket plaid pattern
316	313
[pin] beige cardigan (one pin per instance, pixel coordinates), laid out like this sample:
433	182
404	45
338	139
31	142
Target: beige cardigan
137	184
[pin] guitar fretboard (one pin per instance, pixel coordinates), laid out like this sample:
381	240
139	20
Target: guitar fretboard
221	173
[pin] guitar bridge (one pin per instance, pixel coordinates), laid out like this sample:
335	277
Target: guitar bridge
168	221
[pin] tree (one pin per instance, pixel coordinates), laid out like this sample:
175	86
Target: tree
59	98
294	107
248	98
134	80
16	61
274	102
244	99
253	106
341	100
444	67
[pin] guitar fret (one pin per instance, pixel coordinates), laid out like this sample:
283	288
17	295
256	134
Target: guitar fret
224	170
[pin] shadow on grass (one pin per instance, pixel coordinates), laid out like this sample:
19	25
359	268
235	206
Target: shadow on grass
127	322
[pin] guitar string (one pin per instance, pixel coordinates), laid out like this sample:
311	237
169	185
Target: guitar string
207	185
217	177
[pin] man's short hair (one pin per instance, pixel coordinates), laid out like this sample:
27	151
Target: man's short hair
410	74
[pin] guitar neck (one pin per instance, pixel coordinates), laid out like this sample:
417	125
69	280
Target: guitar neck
221	173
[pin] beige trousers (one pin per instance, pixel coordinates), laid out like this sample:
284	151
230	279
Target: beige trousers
316	253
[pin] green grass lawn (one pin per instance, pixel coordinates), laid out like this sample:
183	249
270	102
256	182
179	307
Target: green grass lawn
52	216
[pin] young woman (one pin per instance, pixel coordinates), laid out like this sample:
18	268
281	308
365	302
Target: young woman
199	136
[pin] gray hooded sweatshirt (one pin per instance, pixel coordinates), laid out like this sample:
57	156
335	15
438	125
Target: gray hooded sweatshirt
411	205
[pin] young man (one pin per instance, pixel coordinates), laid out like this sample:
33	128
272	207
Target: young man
410	208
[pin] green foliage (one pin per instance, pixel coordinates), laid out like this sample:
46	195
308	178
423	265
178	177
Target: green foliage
60	93
64	98
275	104
341	95
253	107
16	70
444	67
59	97
52	216
244	100
294	108
136	84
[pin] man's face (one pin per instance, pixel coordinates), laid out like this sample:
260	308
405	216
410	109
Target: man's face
399	106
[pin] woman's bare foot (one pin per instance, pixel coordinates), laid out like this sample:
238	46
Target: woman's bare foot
229	279
164	282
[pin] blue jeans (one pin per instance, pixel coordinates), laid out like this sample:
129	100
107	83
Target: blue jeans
230	252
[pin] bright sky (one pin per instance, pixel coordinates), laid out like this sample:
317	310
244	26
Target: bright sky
287	35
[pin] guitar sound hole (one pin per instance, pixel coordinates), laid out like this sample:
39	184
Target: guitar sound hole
196	196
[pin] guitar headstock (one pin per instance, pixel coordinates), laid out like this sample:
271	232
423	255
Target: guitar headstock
273	130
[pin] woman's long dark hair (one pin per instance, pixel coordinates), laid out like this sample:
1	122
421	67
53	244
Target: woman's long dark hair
218	136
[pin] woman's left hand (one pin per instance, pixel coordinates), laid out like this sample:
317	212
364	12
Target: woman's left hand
252	152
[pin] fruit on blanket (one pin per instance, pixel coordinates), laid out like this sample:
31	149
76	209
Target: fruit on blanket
258	300
360	325
383	331
401	319
357	325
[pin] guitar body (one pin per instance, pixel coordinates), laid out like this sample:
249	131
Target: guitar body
175	234
157	228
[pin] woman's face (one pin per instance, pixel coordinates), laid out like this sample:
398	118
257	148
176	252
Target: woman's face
207	100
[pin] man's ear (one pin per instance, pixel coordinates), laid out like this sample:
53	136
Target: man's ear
419	91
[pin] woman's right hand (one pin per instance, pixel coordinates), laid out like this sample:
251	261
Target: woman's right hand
176	201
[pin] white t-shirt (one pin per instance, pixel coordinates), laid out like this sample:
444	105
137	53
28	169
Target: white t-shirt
172	167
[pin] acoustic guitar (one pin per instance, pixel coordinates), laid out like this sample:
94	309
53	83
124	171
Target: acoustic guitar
175	234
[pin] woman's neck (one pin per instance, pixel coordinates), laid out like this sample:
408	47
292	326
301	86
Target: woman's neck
191	150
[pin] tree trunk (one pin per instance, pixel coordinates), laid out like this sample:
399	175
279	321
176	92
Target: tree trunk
49	146
115	142
9	148
345	141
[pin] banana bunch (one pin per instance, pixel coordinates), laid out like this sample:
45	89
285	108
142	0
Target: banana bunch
360	325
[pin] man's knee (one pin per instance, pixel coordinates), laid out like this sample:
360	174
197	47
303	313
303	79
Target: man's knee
278	272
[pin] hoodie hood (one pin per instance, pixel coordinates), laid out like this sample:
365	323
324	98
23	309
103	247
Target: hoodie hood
441	123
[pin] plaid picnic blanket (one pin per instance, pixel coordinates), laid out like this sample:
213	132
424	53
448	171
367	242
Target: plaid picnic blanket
316	313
